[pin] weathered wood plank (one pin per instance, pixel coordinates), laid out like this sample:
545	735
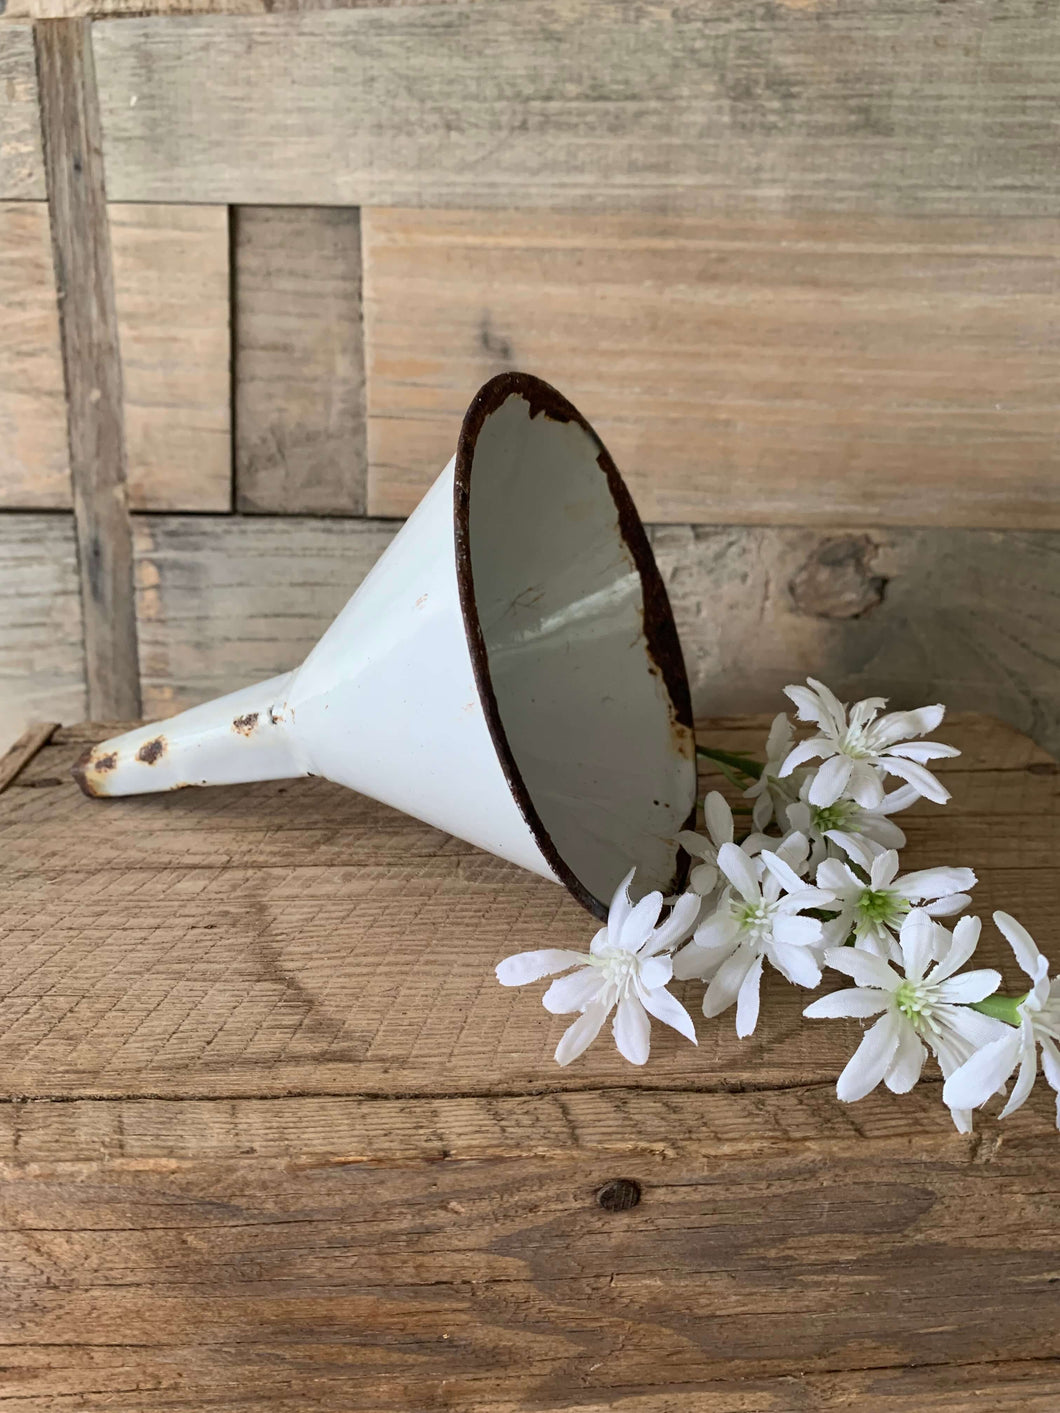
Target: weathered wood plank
771	372
297	938
299	361
968	617
34	461
223	601
91	362
106	9
971	618
467	1275
887	106
42	660
172	297
21	162
17	757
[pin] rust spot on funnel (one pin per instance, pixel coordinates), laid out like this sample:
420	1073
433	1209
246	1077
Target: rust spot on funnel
245	724
86	770
152	751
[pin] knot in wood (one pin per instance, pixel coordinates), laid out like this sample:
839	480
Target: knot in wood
619	1195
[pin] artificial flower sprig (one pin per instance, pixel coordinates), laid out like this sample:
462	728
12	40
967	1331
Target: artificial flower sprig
816	884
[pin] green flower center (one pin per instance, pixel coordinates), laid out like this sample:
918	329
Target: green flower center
835	816
755	918
912	1001
878	905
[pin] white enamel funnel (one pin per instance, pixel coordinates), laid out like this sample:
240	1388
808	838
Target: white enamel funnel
509	671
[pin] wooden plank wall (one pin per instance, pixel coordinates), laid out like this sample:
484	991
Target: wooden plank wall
801	264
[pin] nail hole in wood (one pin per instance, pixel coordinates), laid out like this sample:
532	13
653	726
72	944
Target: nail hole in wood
619	1195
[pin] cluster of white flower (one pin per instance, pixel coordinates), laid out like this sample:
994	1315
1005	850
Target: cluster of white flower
816	885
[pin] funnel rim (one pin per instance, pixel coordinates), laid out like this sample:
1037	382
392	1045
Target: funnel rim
660	631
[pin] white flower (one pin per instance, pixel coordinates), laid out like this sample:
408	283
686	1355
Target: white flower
856	751
874	908
622	969
848	817
1039	1024
927	1007
769	792
757	919
720	828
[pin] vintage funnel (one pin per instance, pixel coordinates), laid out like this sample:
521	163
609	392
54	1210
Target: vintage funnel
509	671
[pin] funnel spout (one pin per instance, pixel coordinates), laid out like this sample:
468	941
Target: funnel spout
244	736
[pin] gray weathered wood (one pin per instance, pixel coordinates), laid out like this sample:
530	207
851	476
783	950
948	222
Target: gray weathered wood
21	163
223	601
18	756
91	362
299	361
867	105
766	370
967	617
34	461
42	660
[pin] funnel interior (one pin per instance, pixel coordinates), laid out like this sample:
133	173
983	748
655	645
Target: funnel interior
576	655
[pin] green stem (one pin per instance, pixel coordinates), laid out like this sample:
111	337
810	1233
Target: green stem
746	765
1003	1008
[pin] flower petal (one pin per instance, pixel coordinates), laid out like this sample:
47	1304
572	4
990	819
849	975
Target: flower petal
574	992
899	725
947	906
853	1001
922	751
747	1000
621	904
694	961
1022	943
739	870
677	926
796	964
804	751
782	872
934	882
917	939
638	925
918	776
908	1063
963	943
532	966
982	1075
870	1061
577	1038
726	982
866	969
703	879
632	1030
830	781
970	986
1028	1072
718	930
797	931
718	818
865	785
860	850
656	971
667	1008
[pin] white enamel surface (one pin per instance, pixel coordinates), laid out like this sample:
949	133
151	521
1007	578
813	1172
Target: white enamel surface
584	707
229	741
387	704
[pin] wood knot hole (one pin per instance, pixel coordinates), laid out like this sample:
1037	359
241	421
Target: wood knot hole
619	1195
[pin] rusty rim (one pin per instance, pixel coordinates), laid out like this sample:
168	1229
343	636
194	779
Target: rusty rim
664	647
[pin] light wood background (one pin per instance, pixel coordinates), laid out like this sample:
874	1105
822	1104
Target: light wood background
799	261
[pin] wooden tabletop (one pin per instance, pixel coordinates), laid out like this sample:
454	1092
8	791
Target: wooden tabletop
274	1138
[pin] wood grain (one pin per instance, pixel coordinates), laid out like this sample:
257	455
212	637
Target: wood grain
18	756
221	600
107	9
21	161
968	617
885	107
299	361
773	371
91	362
34	461
42	656
171	291
295	938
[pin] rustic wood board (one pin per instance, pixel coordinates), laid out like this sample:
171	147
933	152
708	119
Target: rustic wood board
34	461
968	617
307	1143
171	287
884	106
774	371
42	656
21	162
299	361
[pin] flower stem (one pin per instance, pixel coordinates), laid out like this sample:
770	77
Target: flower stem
1003	1008
746	765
